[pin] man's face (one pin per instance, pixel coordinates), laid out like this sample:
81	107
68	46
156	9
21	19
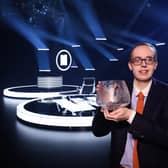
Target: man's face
143	63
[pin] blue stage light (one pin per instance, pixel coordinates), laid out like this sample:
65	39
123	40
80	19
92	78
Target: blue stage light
82	56
88	14
43	60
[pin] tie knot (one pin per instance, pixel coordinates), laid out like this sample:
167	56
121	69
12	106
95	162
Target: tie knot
141	96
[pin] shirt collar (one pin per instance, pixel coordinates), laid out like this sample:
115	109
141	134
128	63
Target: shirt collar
145	91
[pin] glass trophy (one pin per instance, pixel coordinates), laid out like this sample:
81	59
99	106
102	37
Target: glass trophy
112	94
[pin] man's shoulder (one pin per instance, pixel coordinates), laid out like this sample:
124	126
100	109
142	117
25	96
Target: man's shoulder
160	84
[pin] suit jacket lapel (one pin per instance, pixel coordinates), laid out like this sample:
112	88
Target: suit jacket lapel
152	98
151	101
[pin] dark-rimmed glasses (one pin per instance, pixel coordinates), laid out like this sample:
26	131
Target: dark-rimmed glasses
149	60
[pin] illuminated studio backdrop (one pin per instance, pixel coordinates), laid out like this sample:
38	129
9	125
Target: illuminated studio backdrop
57	50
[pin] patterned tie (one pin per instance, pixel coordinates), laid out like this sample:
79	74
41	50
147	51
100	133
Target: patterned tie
139	109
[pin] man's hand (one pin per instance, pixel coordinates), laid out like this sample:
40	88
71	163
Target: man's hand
119	114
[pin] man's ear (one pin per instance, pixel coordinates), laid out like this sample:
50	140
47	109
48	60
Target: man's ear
129	66
156	65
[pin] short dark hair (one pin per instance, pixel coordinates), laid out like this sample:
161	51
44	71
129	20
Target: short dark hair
145	44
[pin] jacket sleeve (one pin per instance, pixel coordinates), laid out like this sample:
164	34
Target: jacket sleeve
100	126
152	130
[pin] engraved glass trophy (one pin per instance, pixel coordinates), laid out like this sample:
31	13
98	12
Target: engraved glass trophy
112	94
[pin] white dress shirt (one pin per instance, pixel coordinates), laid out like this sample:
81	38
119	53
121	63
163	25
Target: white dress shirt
126	159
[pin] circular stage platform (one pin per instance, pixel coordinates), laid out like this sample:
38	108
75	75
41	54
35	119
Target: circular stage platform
63	106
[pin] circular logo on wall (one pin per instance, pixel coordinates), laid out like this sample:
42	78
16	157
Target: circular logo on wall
63	60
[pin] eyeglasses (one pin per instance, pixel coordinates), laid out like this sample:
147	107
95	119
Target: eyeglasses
138	60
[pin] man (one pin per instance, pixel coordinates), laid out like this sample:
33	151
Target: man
149	128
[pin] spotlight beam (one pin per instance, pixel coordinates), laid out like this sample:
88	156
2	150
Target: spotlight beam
51	37
16	22
82	57
99	48
86	11
137	14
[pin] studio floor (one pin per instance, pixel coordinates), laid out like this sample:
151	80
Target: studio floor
26	145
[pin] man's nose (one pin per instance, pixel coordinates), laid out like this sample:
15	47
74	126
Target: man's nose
144	62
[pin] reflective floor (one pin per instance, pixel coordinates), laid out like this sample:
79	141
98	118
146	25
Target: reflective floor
26	145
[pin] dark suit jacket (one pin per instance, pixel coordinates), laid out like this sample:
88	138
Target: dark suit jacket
151	130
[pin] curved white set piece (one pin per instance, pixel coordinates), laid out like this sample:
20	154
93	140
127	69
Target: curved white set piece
69	99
